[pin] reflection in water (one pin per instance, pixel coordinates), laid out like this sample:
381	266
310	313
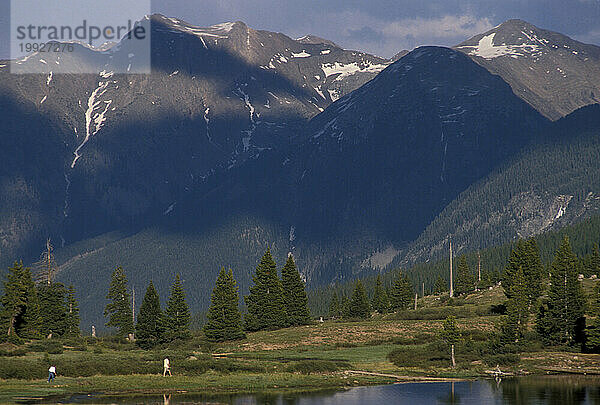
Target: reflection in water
553	390
556	390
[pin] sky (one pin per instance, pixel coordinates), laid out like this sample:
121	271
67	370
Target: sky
384	27
381	27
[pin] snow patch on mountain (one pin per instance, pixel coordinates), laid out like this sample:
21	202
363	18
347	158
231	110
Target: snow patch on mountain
302	54
486	48
95	116
345	70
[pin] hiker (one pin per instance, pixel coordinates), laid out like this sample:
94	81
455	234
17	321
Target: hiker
51	373
166	367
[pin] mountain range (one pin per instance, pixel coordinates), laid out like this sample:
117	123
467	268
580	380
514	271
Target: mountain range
242	139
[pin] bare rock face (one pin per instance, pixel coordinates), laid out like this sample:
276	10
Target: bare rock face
552	72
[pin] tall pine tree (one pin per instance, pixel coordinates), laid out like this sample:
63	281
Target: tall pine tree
53	313
358	307
294	294
380	301
224	320
150	327
465	280
177	314
524	256
561	317
266	307
72	314
440	285
335	306
402	293
119	309
19	312
592	262
517	311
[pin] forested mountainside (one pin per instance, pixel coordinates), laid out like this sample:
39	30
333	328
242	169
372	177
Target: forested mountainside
548	186
584	237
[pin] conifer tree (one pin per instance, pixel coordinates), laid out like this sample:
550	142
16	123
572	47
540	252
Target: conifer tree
592	336
150	327
465	280
402	293
440	285
334	306
561	317
359	307
32	323
592	263
119	309
525	255
18	288
380	301
517	311
294	294
266	307
72	314
451	335
224	320
53	316
177	314
344	306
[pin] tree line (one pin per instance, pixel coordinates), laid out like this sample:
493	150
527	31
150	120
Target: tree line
273	303
34	311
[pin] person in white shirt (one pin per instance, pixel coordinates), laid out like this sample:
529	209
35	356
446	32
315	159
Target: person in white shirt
166	367
51	373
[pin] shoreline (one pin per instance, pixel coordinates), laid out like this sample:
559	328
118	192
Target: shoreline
215	385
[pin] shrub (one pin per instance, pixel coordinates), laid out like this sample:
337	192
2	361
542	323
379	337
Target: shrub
21	351
506	359
48	346
317	366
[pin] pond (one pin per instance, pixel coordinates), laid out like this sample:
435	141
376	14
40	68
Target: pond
559	390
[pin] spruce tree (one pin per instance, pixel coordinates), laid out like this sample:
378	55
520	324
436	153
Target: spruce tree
334	306
525	255
592	263
53	313
465	280
32	322
561	317
17	290
119	308
224	320
344	306
72	314
451	335
380	301
440	286
294	294
266	307
177	314
517	311
359	307
402	293
150	327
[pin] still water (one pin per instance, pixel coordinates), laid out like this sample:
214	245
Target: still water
557	390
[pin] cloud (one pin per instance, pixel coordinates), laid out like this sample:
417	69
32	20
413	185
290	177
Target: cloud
388	37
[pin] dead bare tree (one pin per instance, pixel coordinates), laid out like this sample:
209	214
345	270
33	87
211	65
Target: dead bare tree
45	269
